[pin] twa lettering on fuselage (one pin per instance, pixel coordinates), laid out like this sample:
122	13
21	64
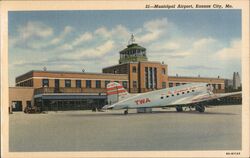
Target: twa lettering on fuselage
142	101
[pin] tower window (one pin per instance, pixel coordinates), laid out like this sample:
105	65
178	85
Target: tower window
163	84
163	71
134	84
134	69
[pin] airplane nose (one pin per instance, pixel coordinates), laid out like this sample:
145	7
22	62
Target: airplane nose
107	107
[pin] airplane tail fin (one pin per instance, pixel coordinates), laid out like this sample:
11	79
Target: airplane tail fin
116	92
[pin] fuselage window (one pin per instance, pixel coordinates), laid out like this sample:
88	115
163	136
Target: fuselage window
167	96
177	93
187	91
172	95
192	90
161	97
183	92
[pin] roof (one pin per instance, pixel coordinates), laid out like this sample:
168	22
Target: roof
197	77
67	72
133	46
134	62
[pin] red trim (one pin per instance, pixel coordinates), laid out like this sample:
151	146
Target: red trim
112	88
115	92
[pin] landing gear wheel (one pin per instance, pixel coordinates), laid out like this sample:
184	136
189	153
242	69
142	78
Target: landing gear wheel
200	108
179	109
125	112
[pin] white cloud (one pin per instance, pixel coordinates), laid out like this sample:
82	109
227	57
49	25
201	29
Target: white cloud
34	28
37	35
233	52
87	36
102	31
152	30
65	32
165	46
98	51
156	24
203	43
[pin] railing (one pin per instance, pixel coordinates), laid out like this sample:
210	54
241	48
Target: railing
44	90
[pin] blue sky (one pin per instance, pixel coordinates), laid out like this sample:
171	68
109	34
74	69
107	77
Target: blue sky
191	42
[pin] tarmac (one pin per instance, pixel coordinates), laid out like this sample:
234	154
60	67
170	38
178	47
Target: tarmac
218	128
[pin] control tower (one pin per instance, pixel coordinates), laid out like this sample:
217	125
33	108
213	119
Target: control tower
133	52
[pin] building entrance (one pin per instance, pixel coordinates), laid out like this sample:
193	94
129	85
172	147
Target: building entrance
17	106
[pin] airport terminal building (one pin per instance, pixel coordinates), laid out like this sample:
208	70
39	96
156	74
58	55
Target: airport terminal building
62	90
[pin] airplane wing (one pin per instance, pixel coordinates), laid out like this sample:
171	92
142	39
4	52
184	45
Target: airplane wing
213	97
203	98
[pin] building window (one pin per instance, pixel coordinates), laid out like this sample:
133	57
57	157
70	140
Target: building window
163	71
67	83
146	78
97	84
28	103
134	84
106	83
88	83
125	84
163	84
177	84
214	86
219	86
170	84
115	71
151	74
78	84
117	81
45	83
155	77
134	69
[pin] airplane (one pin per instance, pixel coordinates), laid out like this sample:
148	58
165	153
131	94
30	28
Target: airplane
188	95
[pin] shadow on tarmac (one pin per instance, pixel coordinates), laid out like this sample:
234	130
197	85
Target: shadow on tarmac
108	114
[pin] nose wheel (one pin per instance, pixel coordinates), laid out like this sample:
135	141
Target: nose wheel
126	112
200	108
179	109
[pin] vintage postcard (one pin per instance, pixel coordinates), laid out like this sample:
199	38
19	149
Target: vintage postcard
125	79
